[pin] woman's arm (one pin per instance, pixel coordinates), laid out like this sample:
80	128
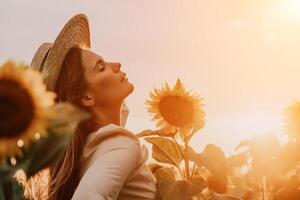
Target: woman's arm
113	161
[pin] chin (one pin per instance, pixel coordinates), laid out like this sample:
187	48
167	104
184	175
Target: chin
129	89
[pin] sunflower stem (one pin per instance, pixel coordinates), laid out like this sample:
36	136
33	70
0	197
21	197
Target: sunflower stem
181	153
193	170
178	147
264	188
186	160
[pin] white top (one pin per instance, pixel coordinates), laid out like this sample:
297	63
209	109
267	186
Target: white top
114	167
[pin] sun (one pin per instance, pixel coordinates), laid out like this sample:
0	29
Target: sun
290	9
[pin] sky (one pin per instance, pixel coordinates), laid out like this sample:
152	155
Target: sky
241	57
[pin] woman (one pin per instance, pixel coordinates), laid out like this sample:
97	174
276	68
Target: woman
103	160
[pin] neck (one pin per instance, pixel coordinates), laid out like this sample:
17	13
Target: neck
107	114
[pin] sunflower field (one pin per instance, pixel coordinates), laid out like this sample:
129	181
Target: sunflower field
262	169
34	131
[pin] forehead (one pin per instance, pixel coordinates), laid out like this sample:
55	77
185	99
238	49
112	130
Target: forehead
89	58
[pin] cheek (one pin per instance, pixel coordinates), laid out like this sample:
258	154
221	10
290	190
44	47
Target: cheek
107	86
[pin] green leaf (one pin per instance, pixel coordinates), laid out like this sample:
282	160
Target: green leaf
154	167
217	184
10	189
238	160
196	186
2	191
43	153
66	117
16	191
48	149
216	196
168	187
192	154
263	149
165	150
290	191
4	171
68	113
171	189
288	157
213	159
163	132
244	143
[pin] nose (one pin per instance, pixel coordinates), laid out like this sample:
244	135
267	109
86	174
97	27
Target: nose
116	66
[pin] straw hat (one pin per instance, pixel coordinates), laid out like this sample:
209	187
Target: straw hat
49	57
40	56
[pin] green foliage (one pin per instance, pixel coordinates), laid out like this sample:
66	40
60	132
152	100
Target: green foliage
42	153
213	159
273	169
290	191
165	150
266	170
170	188
175	182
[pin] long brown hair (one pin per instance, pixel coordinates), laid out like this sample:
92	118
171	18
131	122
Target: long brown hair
65	173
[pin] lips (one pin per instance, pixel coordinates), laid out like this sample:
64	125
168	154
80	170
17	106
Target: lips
123	78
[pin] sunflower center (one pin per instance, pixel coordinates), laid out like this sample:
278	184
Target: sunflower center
176	111
16	109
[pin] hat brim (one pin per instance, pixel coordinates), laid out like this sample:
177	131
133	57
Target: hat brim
39	57
74	33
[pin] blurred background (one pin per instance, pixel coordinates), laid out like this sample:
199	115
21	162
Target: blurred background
240	56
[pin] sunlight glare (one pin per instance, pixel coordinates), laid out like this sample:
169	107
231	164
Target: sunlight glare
290	9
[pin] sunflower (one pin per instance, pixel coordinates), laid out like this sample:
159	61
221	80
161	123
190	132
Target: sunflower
176	109
24	107
292	119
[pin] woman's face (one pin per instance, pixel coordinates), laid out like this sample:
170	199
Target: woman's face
105	79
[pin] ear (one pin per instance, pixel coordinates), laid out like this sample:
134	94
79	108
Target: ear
88	99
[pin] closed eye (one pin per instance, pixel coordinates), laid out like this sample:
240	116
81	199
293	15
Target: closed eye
100	65
101	68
